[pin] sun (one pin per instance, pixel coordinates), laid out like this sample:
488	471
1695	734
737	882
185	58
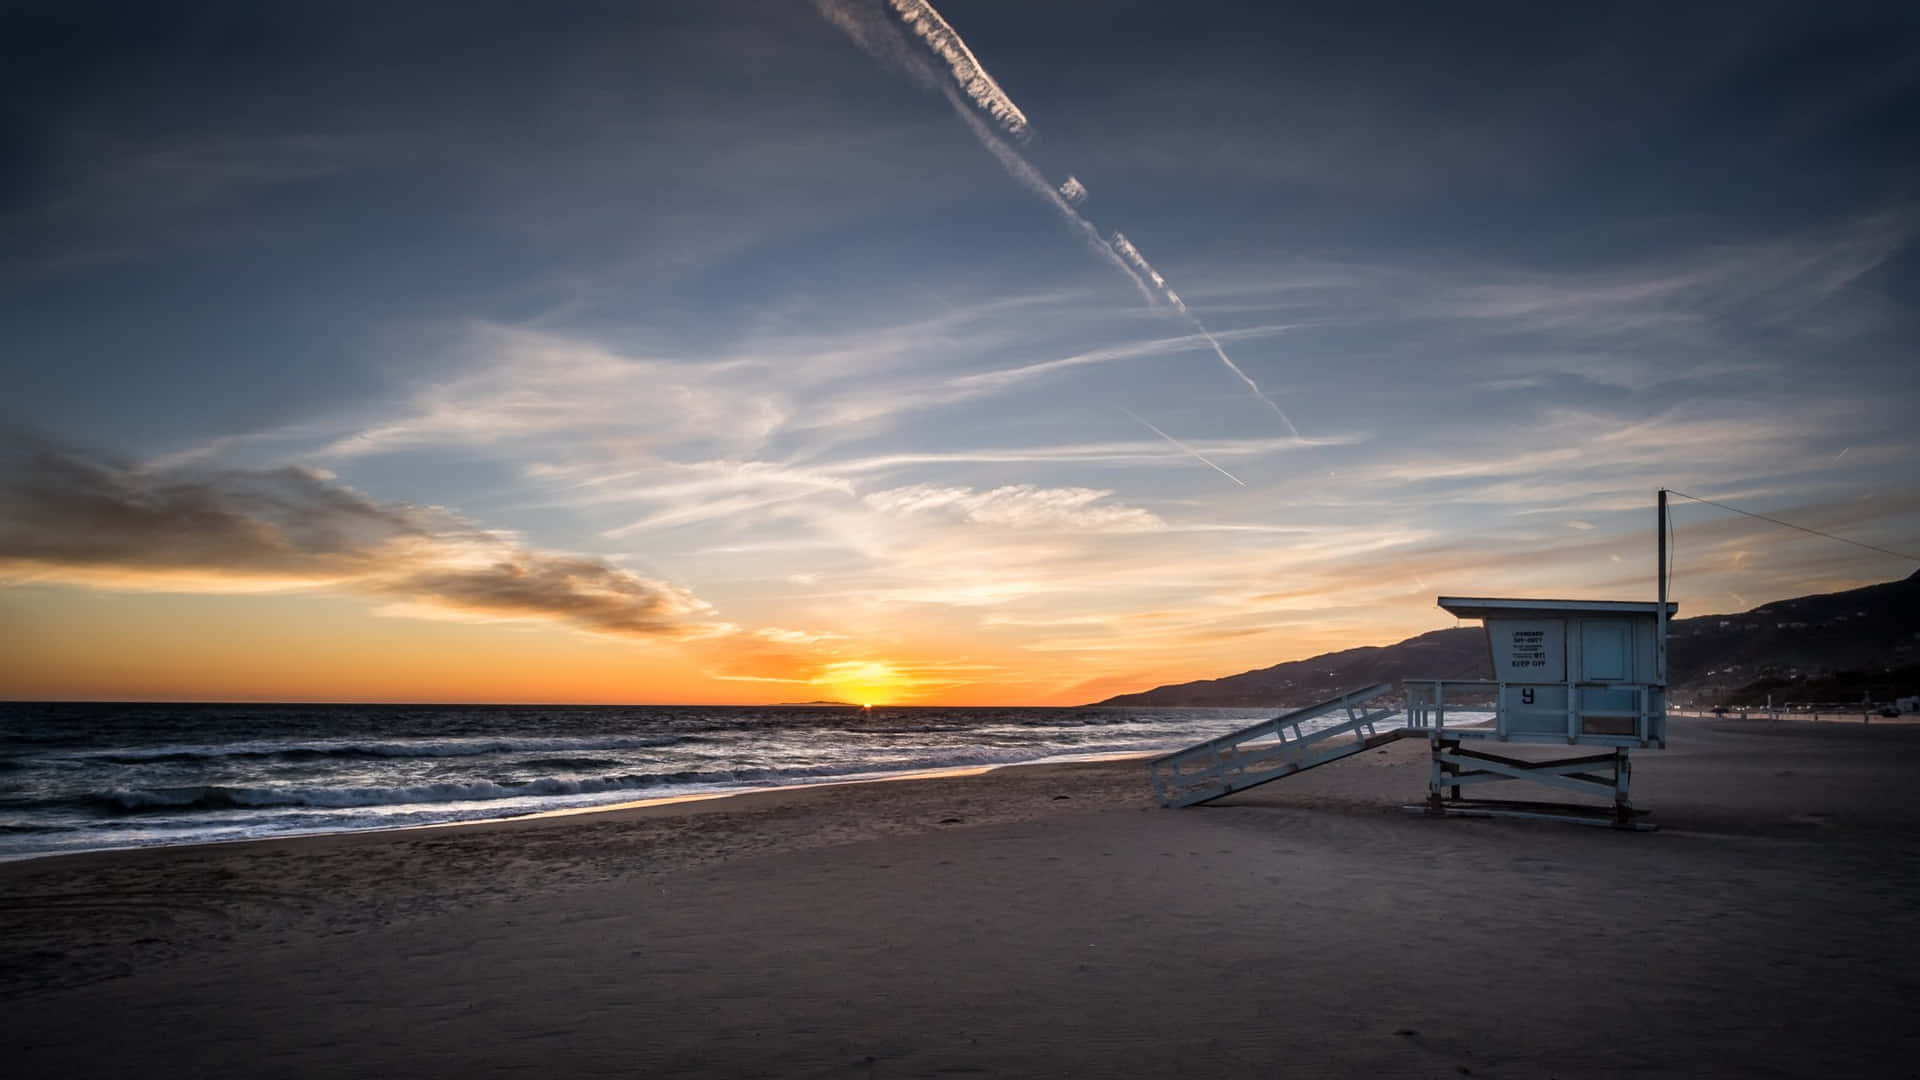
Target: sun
864	682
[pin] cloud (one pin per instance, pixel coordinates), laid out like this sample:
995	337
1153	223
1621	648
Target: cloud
704	491
60	509
1582	461
1779	280
520	385
796	637
1019	506
585	592
67	516
1073	190
116	198
1103	453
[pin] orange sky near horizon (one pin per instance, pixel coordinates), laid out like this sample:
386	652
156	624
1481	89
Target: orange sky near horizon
76	643
135	634
72	634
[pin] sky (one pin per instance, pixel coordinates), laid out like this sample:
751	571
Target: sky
987	353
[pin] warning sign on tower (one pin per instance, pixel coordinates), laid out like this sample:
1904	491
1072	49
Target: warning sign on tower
1529	650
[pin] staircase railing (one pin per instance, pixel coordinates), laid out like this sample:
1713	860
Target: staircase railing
1241	759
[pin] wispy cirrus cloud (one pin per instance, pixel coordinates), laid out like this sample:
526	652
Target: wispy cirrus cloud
686	494
1019	506
128	198
1132	453
518	386
1772	279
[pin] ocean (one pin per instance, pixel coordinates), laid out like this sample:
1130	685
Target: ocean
79	777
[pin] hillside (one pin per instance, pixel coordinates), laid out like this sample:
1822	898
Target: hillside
1843	640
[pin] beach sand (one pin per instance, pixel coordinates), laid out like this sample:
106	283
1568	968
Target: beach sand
988	925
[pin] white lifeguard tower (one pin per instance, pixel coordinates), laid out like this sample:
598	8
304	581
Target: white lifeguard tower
1587	673
1566	672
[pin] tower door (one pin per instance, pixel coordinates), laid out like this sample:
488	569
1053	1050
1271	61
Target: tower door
1606	656
1605	650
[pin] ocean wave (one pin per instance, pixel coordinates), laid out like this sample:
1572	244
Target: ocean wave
413	748
570	763
222	797
228	797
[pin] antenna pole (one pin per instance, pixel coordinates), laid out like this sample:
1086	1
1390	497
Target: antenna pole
1660	654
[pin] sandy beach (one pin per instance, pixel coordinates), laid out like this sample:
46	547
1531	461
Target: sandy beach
1032	921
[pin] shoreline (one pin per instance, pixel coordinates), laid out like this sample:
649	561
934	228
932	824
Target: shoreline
1761	721
595	808
1759	714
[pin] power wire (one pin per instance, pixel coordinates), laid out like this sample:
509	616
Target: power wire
1788	524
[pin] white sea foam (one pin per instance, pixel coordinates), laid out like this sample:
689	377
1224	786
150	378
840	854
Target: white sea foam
412	748
218	796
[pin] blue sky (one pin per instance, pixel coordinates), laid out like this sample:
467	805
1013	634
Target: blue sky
740	339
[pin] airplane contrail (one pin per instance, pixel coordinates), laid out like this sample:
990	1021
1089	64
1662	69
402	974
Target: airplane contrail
1188	450
1022	170
1132	255
942	39
880	38
982	94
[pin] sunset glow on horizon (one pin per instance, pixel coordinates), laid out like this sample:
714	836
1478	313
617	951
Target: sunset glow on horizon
858	352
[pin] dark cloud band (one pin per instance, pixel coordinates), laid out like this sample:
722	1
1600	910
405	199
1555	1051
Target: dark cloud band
66	515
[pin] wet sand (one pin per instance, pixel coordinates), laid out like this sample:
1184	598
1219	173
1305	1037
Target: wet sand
1037	921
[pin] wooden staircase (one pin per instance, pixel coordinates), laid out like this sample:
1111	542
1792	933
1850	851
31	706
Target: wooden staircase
1272	749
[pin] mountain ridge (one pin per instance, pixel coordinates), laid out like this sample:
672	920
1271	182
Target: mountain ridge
1871	628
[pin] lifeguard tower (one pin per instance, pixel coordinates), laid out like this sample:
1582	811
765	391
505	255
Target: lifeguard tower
1585	673
1566	672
